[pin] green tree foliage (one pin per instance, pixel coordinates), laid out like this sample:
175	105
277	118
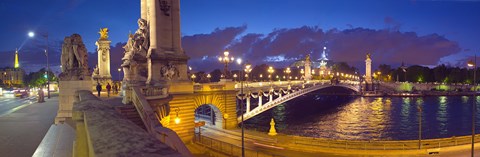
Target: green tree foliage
440	74
38	79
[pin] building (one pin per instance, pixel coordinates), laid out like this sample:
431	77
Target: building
12	77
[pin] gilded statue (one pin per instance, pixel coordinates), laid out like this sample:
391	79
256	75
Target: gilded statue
369	56
307	59
103	33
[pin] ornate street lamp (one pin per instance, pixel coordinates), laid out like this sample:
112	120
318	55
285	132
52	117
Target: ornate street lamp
234	77
474	104
248	69
288	71
270	71
193	78
225	60
209	76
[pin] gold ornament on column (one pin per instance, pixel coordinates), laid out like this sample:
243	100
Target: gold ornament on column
103	33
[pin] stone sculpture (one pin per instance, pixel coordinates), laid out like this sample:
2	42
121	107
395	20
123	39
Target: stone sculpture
74	59
135	54
169	71
95	71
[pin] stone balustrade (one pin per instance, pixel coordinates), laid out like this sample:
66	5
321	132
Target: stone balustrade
101	131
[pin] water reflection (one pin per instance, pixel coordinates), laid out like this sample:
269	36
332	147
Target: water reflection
346	117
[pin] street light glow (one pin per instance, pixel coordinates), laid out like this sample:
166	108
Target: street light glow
31	34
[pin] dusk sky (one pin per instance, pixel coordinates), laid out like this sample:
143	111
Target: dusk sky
275	32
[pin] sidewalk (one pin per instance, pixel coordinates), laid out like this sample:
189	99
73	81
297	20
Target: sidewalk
22	131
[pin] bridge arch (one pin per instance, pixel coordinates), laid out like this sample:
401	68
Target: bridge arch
214	102
352	89
283	98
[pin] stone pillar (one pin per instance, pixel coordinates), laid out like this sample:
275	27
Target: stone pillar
368	70
143	9
177	36
103	62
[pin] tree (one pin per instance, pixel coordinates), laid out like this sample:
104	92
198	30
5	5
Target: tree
440	73
39	78
215	75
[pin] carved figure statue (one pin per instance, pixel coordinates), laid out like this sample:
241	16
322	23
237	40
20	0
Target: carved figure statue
137	43
169	71
307	58
369	56
136	51
103	33
74	58
96	71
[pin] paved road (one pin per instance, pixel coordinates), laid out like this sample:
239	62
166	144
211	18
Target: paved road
9	103
23	125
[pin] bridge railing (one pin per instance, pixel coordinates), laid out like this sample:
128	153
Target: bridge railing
228	148
384	145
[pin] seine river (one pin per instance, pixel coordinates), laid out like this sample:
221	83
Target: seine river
370	118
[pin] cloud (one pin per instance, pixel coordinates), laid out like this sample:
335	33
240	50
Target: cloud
350	45
283	46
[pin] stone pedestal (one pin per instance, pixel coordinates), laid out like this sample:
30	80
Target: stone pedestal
368	71
67	97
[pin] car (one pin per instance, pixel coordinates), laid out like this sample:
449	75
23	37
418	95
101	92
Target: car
21	93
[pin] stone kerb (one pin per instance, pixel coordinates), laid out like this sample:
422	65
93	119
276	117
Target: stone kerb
68	96
107	133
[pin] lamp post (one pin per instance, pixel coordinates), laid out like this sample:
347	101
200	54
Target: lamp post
209	76
119	69
31	35
239	61
270	71
234	77
248	69
474	65
225	60
288	71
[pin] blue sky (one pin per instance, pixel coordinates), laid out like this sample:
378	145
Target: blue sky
438	21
